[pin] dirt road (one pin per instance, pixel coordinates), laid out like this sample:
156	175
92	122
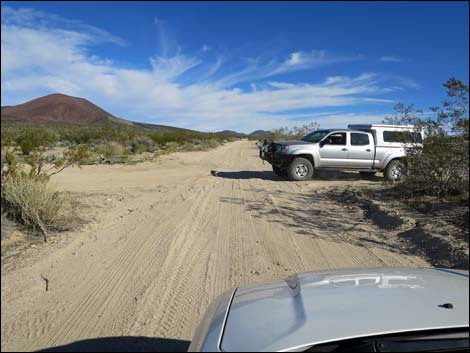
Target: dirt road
167	237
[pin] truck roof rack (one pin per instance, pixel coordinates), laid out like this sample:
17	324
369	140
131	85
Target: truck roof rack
370	126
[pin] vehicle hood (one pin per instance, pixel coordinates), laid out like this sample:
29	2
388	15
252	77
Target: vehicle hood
293	143
314	308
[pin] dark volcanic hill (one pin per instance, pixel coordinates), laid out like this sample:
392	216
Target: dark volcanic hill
63	109
59	108
260	133
231	132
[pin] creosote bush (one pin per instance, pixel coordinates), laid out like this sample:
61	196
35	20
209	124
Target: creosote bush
295	132
440	165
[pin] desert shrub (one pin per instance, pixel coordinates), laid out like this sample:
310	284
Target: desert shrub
34	204
142	144
196	142
8	137
44	165
162	138
440	166
295	132
30	140
211	143
110	150
25	194
125	155
187	146
171	146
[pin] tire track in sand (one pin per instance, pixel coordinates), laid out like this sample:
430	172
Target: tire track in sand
84	318
190	238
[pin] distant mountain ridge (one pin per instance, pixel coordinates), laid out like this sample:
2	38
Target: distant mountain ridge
62	109
231	132
260	133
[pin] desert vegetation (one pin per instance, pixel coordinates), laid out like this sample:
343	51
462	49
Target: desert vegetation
286	133
34	204
440	165
111	139
295	132
26	196
31	154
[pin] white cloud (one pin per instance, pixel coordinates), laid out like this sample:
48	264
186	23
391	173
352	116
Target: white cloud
170	68
38	20
163	40
300	60
394	59
44	58
295	58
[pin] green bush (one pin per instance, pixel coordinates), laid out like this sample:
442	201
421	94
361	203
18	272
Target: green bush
31	140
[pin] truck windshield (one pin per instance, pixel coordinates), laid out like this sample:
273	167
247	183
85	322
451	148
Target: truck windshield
315	136
450	341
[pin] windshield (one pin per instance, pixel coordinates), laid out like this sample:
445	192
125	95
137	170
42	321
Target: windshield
437	341
315	136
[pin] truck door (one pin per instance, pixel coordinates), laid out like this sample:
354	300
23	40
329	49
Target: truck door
333	151
361	150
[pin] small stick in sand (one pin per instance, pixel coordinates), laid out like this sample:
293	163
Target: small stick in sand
47	282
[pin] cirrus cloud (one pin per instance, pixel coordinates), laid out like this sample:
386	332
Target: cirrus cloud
43	53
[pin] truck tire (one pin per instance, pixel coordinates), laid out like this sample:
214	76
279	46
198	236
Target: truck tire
279	171
395	171
300	169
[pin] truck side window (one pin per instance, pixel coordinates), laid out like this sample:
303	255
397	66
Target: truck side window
359	139
336	139
402	136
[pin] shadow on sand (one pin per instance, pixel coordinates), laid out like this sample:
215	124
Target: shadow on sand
264	175
318	175
354	216
123	344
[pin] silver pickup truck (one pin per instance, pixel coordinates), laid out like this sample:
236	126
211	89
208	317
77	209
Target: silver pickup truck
364	148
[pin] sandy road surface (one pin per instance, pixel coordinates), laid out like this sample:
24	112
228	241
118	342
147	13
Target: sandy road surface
168	237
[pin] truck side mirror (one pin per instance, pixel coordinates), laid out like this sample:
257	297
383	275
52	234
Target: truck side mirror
324	142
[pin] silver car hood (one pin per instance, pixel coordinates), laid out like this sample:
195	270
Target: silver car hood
293	143
321	307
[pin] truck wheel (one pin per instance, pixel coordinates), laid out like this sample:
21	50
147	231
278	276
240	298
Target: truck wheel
279	171
395	171
300	169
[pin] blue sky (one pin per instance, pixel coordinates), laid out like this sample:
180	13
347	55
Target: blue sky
243	66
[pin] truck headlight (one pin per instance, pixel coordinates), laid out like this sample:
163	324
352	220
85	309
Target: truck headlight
282	149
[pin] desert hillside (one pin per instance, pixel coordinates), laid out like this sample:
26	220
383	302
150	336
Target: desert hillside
58	108
67	110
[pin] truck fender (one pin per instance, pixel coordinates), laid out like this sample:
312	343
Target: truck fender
314	155
391	157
